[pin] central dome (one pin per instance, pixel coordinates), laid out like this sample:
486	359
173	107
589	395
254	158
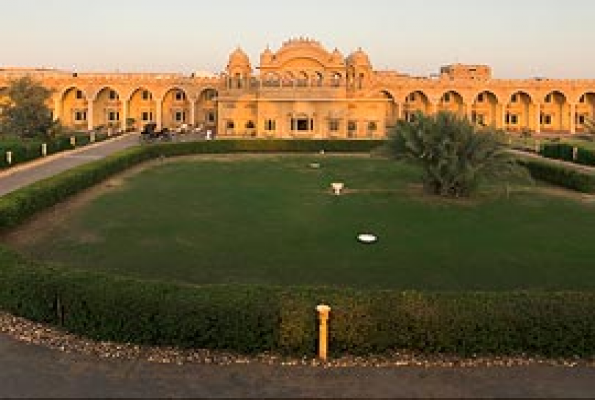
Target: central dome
358	58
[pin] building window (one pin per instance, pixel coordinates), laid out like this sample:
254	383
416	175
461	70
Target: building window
250	125
547	119
147	95
147	116
180	96
230	125
210	95
372	128
80	116
411	98
512	119
270	125
180	116
79	95
351	128
480	98
446	98
210	117
113	116
515	98
548	98
333	125
581	119
113	95
336	80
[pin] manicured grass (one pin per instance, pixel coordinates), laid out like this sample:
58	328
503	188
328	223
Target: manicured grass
272	220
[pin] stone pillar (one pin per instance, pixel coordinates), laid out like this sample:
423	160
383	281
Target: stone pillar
159	113
538	118
572	118
57	109
90	112
503	110
399	111
469	111
192	113
124	123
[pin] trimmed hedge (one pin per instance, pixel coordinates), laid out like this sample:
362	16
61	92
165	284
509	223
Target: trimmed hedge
560	175
250	319
565	152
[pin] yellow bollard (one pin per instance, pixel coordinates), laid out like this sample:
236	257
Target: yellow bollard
323	315
44	149
9	157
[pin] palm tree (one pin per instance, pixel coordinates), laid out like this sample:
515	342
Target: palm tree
454	154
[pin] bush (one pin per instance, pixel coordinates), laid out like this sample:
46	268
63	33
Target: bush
565	151
250	319
560	175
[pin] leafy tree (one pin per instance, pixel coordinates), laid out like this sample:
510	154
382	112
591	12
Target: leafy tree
26	113
455	155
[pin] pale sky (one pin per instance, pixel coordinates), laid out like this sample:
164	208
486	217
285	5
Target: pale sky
518	38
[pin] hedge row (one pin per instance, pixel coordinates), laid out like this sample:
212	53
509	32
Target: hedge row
565	152
27	151
560	175
23	203
249	319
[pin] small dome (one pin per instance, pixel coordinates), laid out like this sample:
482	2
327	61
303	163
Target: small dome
337	56
238	57
266	56
358	58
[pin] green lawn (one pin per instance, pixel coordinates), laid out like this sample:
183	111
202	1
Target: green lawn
272	220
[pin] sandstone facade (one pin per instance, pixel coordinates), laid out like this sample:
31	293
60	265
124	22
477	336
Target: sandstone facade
305	91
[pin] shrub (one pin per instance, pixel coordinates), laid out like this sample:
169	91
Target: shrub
560	175
250	319
454	155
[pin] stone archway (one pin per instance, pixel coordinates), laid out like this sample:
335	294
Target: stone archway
142	107
555	113
74	109
585	110
206	109
416	101
485	110
391	108
520	113
107	109
452	101
176	108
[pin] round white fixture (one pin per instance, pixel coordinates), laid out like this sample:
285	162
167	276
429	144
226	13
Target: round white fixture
367	238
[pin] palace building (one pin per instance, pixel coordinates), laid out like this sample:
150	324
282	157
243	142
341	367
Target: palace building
306	91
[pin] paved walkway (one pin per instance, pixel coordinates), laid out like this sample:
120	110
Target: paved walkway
32	371
23	175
